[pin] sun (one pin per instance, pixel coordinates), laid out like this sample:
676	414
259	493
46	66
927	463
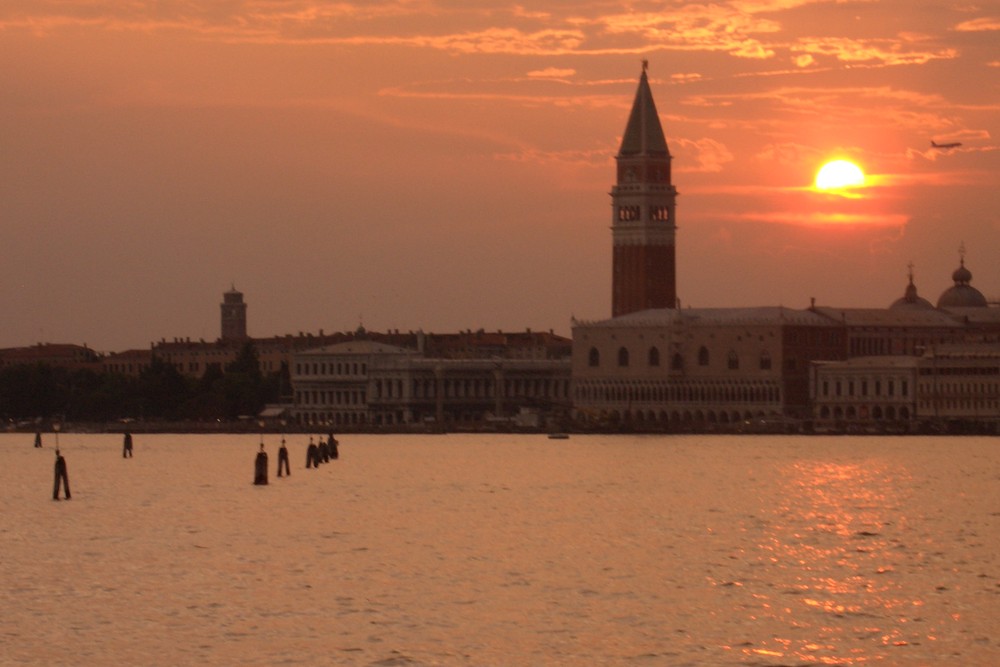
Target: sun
838	174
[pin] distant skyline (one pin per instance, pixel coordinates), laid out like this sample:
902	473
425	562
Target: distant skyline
437	165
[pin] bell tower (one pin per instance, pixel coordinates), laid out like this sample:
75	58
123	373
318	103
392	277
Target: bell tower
643	202
234	315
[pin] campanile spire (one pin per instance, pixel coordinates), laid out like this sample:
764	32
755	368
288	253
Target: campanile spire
643	206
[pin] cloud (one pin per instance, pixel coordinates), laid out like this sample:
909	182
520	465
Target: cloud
887	52
696	27
709	155
981	24
552	73
820	218
905	109
504	41
789	153
598	157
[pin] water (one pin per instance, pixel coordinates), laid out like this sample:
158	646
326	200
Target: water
503	550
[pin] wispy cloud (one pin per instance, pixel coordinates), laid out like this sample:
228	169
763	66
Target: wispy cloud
709	155
819	218
887	52
552	73
597	157
982	24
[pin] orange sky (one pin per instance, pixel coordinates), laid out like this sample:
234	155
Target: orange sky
446	164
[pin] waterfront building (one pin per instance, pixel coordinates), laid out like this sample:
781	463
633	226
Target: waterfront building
958	387
441	382
130	363
895	331
194	358
330	384
869	393
65	355
698	368
954	387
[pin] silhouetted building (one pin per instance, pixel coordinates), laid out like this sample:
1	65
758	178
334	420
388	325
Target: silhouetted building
234	316
65	355
130	362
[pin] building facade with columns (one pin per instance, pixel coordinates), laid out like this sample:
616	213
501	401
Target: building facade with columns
699	368
365	383
950	387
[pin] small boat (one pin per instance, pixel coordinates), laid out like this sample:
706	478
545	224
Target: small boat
558	436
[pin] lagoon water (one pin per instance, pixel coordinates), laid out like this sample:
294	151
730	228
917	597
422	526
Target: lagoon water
503	550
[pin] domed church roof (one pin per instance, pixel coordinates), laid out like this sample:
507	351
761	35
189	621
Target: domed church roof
962	294
961	274
910	299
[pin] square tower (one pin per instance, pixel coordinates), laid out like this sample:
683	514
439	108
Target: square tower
644	201
234	315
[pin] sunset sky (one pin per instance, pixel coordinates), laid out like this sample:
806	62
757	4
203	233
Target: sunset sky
445	164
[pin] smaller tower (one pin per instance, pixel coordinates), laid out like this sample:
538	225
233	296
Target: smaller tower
234	315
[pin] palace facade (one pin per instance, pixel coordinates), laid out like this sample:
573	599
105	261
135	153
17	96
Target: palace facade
470	380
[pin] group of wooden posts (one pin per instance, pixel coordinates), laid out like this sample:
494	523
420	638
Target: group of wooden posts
324	452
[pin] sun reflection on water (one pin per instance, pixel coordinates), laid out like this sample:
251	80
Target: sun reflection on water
833	544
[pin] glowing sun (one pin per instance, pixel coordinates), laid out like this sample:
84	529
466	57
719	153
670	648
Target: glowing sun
838	174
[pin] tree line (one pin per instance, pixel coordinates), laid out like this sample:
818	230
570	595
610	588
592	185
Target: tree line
159	393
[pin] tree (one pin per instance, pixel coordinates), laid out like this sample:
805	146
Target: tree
162	391
243	384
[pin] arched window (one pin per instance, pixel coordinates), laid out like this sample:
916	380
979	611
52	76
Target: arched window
622	356
765	361
595	357
732	361
677	363
654	357
703	356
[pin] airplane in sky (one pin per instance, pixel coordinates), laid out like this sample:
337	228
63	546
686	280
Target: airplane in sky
954	144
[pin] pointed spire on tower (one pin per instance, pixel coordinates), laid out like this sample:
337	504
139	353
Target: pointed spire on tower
643	134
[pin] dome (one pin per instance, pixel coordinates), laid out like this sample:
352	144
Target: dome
962	294
910	299
962	275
